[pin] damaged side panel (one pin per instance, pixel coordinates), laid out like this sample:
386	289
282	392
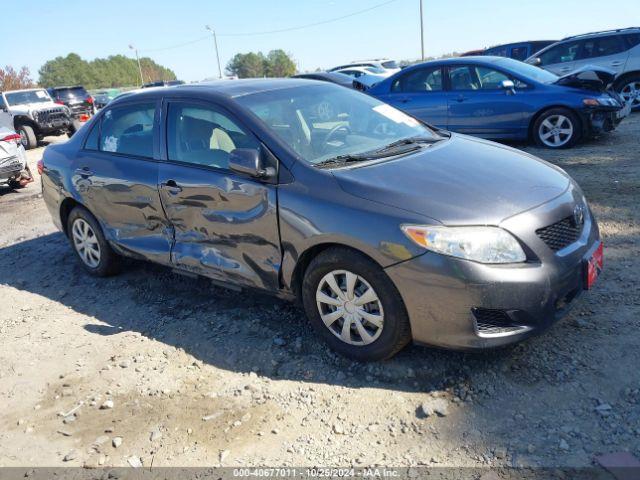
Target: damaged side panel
225	226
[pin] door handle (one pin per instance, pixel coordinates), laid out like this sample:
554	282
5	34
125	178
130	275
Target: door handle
404	99
84	171
461	98
171	186
617	63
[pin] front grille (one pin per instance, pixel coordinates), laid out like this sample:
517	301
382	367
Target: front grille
493	322
52	114
560	234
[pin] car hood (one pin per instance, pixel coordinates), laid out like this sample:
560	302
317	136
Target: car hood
589	77
459	181
34	107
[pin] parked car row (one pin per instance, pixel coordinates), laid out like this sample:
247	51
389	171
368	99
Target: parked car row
33	114
616	50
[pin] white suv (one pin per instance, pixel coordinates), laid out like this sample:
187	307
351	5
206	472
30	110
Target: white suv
33	114
617	50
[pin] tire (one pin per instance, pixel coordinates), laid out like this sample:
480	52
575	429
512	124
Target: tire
381	340
560	120
27	137
629	89
82	224
15	185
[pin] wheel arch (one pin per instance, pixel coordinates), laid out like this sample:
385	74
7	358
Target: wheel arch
312	252
67	205
20	120
624	77
537	115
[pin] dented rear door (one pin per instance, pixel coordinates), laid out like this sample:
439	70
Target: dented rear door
224	224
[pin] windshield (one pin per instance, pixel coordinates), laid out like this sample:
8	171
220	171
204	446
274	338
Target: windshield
73	92
527	71
322	122
32	96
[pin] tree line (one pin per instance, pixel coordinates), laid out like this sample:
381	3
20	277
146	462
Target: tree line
113	71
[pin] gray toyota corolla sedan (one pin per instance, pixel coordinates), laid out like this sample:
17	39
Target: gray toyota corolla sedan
386	230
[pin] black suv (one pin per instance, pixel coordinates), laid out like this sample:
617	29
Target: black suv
77	99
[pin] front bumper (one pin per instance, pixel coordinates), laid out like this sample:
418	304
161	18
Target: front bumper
598	120
447	298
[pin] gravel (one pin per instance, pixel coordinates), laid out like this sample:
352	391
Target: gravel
186	371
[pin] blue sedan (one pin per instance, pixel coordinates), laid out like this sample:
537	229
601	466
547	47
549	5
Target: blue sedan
501	98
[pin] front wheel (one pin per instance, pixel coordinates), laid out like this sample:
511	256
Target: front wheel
557	128
89	244
354	306
28	137
629	90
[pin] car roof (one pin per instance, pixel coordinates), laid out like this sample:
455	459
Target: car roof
226	88
23	90
602	32
524	42
459	60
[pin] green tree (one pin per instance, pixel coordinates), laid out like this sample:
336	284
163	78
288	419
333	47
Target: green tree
280	64
277	63
247	65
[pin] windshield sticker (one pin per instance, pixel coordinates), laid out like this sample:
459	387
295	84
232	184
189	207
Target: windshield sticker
41	94
110	144
396	115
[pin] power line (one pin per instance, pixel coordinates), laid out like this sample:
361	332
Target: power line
268	32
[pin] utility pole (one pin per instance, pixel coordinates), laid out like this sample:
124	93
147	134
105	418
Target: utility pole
215	44
421	32
139	66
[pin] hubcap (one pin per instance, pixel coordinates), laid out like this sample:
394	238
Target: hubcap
86	243
350	307
556	130
631	93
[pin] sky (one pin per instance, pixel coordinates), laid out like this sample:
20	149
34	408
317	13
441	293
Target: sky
392	30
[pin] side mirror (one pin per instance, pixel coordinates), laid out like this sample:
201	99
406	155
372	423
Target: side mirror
248	161
536	61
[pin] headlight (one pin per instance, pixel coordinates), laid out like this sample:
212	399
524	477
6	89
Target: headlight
480	244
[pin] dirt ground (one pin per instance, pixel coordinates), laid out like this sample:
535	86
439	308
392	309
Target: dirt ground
152	368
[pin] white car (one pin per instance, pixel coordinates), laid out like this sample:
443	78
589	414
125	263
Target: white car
368	76
13	160
381	64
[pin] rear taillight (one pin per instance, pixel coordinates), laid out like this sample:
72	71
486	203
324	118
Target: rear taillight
14	137
40	166
59	102
90	99
84	117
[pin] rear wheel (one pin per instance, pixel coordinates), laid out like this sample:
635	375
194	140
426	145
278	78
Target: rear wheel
89	244
629	90
354	306
557	128
27	137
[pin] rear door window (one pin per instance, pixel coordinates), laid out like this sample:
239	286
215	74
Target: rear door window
419	81
632	39
519	53
129	130
601	47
